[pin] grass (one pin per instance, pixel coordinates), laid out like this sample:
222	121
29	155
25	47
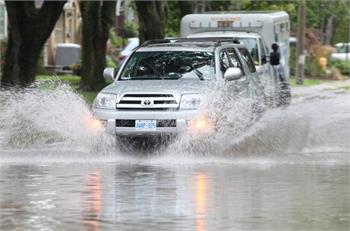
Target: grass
307	82
73	81
346	88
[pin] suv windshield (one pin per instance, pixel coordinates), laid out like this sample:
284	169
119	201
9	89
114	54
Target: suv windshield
169	65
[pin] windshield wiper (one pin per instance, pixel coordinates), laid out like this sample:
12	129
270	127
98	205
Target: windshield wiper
196	71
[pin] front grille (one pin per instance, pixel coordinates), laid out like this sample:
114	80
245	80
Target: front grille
147	102
131	123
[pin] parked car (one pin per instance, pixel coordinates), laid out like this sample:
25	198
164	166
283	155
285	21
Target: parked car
343	51
160	86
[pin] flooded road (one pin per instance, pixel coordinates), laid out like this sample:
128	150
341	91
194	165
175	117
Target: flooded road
290	171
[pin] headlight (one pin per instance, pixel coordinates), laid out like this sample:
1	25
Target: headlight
190	101
105	101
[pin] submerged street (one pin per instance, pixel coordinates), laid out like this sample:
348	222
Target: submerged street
289	171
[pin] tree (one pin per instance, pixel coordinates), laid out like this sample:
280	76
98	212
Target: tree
29	28
152	19
97	20
330	20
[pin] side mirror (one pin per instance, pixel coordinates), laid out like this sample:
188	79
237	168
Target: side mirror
109	73
233	73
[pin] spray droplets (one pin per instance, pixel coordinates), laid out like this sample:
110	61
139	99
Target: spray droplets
45	113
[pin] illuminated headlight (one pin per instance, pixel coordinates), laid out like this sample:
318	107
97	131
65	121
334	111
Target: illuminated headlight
201	125
105	101
190	101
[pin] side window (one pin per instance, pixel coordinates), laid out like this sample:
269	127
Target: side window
248	59
234	58
229	58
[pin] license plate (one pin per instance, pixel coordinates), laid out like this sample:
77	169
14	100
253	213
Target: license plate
146	125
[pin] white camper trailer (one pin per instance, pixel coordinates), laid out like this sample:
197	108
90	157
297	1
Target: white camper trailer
256	30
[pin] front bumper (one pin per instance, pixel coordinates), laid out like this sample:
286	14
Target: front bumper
110	116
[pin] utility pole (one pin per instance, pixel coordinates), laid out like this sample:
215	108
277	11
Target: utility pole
300	57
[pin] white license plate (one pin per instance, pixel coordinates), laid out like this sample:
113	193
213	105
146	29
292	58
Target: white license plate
146	125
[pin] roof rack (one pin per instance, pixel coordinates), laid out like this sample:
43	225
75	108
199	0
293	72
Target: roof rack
216	40
155	41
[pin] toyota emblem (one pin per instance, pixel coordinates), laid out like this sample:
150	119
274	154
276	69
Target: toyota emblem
147	102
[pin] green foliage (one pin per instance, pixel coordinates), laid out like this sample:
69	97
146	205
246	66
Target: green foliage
172	28
342	65
115	40
307	82
289	6
219	5
110	62
130	30
318	11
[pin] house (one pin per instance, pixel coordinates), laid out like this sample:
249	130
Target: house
67	30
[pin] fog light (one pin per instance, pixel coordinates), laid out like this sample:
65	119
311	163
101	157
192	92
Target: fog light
95	125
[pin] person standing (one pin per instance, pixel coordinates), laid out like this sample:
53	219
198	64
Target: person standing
284	95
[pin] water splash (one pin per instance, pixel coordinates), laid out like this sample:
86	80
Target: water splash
50	122
232	114
47	113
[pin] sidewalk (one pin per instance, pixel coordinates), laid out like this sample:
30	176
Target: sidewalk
320	90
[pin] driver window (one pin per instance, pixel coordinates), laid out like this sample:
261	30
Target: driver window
228	58
233	57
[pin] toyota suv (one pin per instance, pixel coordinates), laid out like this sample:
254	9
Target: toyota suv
160	86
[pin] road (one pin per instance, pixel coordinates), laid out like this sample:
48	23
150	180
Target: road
290	171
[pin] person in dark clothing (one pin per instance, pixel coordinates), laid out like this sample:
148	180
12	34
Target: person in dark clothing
275	62
284	91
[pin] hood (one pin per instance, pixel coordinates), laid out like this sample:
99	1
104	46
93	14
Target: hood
175	87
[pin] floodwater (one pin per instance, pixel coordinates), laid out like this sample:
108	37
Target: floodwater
289	171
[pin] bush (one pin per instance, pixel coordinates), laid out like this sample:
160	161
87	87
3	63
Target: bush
115	40
342	65
130	30
313	68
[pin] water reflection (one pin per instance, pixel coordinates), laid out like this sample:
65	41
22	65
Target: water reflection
139	197
94	201
201	199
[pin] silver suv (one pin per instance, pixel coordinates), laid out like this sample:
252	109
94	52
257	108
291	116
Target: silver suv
159	87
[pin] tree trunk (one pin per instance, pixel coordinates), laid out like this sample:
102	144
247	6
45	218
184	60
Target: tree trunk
329	29
186	7
97	20
152	19
29	28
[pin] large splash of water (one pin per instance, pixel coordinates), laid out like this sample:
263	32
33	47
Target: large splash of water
48	113
51	117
